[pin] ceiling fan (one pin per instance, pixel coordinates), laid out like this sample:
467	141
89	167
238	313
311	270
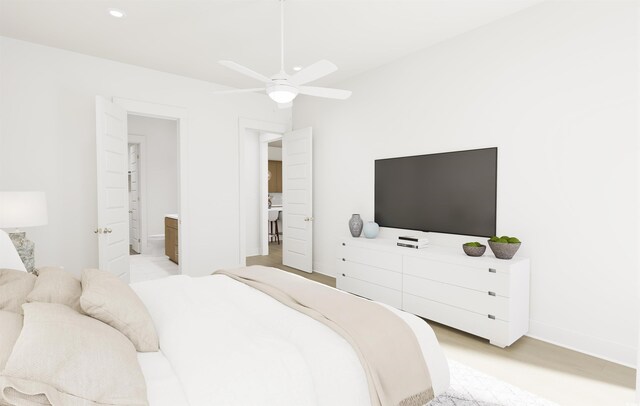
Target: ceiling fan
283	88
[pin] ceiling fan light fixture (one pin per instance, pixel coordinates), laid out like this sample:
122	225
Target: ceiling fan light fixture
282	93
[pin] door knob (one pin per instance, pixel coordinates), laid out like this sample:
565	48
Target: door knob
107	231
308	219
97	231
130	211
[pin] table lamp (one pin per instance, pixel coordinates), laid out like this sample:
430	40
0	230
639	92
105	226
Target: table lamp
19	210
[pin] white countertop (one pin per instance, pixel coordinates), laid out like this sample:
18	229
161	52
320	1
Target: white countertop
171	216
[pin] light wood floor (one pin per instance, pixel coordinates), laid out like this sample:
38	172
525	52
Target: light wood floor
274	259
566	377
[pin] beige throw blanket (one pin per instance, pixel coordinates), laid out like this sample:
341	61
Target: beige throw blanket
386	346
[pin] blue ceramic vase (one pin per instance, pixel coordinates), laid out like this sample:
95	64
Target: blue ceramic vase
371	229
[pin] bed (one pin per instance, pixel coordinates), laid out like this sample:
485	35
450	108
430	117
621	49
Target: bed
195	365
221	342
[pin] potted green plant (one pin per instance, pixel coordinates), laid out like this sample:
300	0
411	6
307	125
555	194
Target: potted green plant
474	249
504	247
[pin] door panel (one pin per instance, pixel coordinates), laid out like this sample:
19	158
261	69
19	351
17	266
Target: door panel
112	154
297	198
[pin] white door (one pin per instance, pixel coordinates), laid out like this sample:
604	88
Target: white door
112	230
297	199
134	198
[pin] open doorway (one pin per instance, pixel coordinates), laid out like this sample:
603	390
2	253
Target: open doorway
263	202
112	150
297	193
153	197
274	198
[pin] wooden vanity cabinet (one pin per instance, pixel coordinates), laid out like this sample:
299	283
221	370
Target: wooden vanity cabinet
171	238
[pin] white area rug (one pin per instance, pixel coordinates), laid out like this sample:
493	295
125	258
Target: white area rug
470	387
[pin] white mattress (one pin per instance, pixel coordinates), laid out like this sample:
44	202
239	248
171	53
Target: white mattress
224	343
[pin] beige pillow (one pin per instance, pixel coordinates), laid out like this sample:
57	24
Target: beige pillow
65	358
55	285
10	327
108	299
14	288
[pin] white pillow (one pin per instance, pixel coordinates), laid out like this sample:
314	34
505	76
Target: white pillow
9	258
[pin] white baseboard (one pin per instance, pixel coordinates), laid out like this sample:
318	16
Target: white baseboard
596	347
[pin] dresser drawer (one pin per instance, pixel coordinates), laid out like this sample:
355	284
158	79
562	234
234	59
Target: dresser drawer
480	279
473	323
367	273
370	291
385	260
463	298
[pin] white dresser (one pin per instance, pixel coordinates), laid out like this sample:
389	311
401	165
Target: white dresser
484	296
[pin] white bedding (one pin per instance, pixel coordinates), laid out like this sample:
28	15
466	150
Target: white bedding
224	343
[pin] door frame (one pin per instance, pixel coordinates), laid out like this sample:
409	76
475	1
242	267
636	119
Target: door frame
179	114
244	125
141	141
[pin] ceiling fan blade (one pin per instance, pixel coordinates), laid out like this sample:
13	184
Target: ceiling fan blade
245	71
325	92
312	72
255	89
283	106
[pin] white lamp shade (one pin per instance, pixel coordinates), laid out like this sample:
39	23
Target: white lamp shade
22	209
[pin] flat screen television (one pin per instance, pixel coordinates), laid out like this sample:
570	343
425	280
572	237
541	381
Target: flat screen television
451	192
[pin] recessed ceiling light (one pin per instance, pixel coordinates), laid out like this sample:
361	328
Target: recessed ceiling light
114	12
297	68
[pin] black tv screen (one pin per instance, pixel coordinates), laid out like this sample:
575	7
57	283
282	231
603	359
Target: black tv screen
452	192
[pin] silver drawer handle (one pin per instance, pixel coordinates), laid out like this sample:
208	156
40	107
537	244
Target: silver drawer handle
491	293
492	270
491	316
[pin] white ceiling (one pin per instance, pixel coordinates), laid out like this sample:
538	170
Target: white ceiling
188	37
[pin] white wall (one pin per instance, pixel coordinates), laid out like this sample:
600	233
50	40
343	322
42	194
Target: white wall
555	89
161	168
47	143
254	201
275	153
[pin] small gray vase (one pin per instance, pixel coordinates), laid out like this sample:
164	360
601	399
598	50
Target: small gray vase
355	225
